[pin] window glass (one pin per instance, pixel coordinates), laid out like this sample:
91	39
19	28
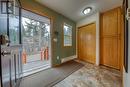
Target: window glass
67	30
35	35
14	27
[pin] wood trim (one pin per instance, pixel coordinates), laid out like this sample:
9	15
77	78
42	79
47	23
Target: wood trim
111	9
122	48
100	53
87	24
38	13
38	10
120	32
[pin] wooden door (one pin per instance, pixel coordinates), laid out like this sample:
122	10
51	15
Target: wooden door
87	43
110	38
109	54
110	23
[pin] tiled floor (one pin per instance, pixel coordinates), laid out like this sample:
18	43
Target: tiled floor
92	76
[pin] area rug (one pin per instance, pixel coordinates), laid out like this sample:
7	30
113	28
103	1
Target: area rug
50	77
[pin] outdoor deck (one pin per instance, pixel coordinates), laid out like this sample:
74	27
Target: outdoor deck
34	63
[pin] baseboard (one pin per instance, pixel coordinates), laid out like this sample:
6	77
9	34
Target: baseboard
66	59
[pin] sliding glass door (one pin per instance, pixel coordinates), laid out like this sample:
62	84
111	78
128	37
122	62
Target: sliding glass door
35	38
36	41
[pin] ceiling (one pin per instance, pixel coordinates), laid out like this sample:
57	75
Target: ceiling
73	8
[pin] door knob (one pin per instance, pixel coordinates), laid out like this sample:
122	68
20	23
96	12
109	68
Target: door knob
4	40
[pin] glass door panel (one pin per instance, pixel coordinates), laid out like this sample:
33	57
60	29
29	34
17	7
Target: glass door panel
36	44
3	22
14	27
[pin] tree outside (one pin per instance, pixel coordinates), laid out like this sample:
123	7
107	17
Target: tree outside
35	35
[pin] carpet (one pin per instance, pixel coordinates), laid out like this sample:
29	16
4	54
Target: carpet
50	77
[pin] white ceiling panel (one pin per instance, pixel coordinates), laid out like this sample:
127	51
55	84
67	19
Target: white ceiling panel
73	8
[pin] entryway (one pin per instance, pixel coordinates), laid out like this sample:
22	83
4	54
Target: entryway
36	41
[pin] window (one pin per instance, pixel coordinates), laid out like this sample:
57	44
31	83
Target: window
67	32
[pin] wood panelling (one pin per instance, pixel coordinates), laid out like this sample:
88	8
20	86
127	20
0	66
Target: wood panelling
111	37
87	43
110	23
110	52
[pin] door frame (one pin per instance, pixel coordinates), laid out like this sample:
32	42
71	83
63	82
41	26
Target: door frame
51	30
97	40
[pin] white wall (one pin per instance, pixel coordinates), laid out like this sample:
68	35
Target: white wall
90	19
127	75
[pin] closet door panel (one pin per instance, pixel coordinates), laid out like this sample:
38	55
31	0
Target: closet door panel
110	52
110	23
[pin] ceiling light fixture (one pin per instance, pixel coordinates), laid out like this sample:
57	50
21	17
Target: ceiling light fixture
87	10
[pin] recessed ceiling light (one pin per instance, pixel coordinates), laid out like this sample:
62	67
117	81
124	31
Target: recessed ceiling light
87	10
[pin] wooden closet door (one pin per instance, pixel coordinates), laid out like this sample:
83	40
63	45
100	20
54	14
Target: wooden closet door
110	38
87	43
110	56
110	23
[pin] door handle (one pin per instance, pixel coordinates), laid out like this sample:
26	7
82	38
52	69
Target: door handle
5	53
4	40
